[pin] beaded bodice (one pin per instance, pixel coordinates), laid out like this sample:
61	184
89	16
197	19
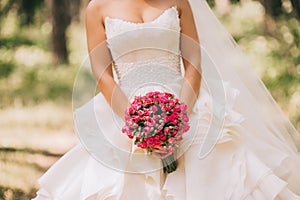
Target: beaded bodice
146	54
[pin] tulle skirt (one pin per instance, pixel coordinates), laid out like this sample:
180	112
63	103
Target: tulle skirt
236	168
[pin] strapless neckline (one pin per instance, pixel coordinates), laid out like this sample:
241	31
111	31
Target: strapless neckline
172	8
151	48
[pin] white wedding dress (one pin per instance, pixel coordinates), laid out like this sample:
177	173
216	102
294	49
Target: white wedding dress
233	170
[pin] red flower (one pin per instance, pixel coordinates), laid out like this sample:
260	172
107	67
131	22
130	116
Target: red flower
162	136
174	133
150	141
142	145
129	135
167	130
135	119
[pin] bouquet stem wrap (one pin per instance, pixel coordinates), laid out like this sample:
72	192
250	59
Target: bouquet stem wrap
169	163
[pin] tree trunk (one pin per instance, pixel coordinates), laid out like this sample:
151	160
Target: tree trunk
75	10
273	7
296	7
61	19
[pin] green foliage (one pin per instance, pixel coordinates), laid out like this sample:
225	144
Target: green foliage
37	85
16	193
15	41
27	10
6	69
235	1
286	59
275	54
27	73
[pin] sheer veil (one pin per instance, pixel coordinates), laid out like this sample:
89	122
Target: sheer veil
266	130
255	102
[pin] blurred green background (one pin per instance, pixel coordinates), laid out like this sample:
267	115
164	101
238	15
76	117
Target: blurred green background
43	43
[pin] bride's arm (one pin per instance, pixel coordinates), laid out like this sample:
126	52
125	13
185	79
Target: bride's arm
101	60
191	56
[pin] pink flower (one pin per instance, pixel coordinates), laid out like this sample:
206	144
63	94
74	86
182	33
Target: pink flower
164	99
185	118
146	113
177	108
140	113
146	130
127	118
150	122
170	149
160	127
183	107
186	127
167	119
138	136
178	139
171	140
135	119
150	94
167	108
134	125
138	105
155	117
125	129
181	131
153	108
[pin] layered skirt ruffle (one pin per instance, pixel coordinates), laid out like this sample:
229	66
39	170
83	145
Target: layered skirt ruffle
234	169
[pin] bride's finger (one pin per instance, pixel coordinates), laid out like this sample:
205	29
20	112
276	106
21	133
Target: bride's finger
161	154
159	149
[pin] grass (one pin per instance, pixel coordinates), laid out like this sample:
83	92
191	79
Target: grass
32	139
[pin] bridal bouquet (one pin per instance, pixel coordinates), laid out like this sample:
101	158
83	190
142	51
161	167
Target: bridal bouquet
157	121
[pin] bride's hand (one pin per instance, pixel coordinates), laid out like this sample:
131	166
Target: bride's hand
162	152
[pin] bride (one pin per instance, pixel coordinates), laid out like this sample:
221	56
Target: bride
240	144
